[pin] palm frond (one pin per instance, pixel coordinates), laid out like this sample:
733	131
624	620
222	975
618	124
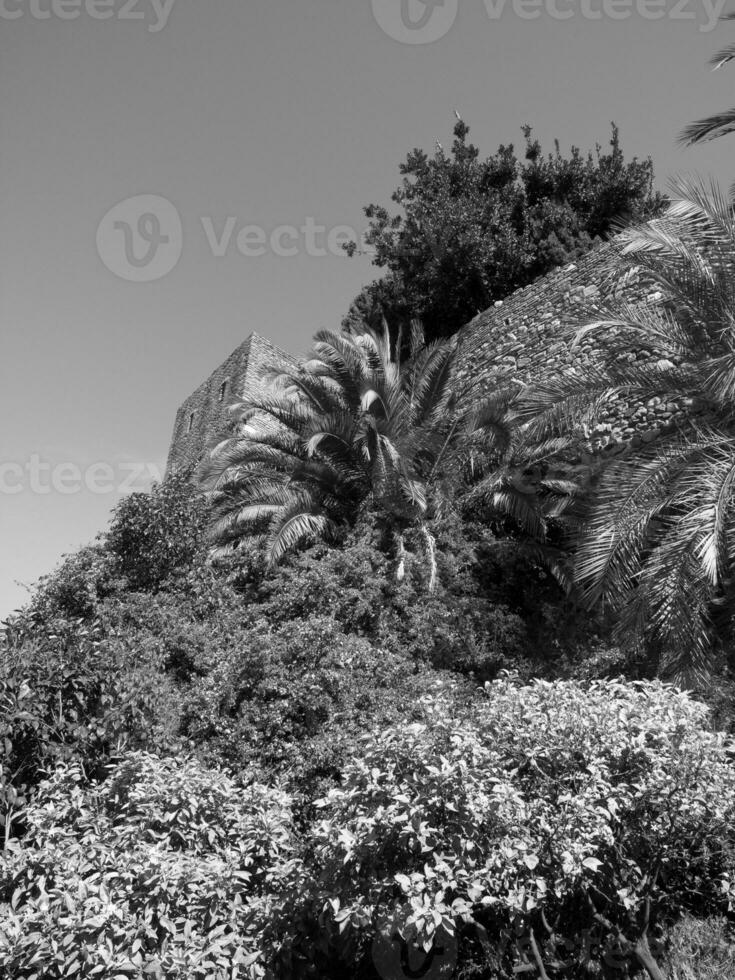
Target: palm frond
341	359
709	128
703	208
295	527
679	600
429	390
355	422
722	57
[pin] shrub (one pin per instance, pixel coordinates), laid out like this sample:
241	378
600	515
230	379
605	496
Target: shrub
352	585
552	823
71	593
79	701
163	870
490	612
153	535
296	699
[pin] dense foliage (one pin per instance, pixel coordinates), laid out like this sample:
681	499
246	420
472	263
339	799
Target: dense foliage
152	535
469	231
388	734
547	815
658	544
266	668
524	828
162	869
358	431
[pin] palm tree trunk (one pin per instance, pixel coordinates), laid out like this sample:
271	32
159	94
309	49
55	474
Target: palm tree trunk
401	551
431	555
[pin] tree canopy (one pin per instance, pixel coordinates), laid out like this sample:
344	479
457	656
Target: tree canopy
470	231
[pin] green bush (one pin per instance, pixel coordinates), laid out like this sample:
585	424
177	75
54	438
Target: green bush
72	593
152	537
491	611
584	827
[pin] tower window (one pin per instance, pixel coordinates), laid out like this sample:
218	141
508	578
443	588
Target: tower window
222	391
191	422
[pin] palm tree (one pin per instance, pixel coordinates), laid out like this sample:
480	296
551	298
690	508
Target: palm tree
721	123
659	541
354	428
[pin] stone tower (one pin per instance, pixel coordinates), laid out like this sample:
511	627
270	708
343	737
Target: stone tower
521	338
204	418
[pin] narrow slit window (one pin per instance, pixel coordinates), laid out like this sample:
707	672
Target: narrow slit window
191	422
222	391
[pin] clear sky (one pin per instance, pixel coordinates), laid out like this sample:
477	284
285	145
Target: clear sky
270	113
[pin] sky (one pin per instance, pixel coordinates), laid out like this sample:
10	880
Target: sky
175	174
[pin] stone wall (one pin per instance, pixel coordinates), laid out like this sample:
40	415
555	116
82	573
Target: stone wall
204	418
524	337
520	338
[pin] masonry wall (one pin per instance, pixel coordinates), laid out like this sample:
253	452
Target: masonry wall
523	338
204	418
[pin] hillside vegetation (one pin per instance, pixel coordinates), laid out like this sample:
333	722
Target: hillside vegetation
397	689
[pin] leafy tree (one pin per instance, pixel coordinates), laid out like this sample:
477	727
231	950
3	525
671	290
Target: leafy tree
471	231
72	592
151	537
659	541
155	534
721	123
